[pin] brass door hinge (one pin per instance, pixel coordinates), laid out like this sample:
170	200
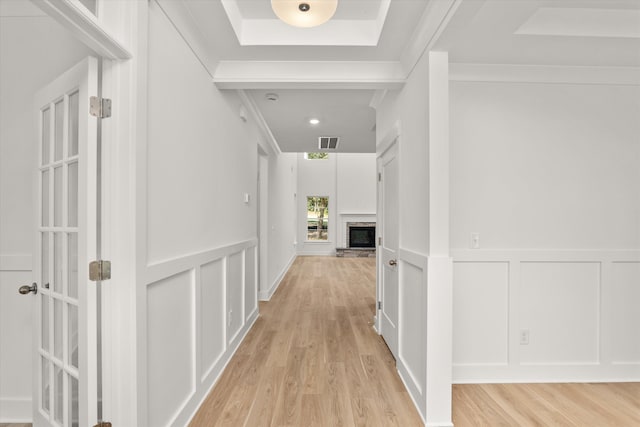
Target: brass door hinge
99	270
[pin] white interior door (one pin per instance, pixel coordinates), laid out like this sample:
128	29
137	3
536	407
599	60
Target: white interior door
65	385
388	214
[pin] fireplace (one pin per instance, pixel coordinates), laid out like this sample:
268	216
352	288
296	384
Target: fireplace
361	235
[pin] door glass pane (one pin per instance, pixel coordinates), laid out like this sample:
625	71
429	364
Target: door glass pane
91	5
72	213
73	335
45	322
74	412
46	135
45	259
73	124
45	198
57	142
58	394
57	197
57	328
57	262
72	260
46	388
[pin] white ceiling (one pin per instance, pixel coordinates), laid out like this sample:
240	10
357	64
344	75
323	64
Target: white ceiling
602	33
342	113
597	33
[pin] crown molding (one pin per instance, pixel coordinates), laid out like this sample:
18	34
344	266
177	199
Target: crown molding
434	20
309	74
257	116
551	74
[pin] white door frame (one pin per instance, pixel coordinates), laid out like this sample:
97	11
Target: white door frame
393	137
123	82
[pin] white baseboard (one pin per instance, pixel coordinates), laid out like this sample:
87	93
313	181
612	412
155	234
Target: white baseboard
16	410
413	391
222	365
266	295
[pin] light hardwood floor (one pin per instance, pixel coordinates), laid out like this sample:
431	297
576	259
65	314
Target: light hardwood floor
313	358
570	405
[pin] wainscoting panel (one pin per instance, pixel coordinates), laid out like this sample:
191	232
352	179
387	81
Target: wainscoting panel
412	326
560	304
16	339
212	315
625	318
569	316
250	283
199	309
481	313
235	301
170	346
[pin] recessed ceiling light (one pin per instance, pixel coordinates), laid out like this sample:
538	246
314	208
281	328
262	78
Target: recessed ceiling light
314	121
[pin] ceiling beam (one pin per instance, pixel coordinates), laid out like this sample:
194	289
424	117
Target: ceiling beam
309	75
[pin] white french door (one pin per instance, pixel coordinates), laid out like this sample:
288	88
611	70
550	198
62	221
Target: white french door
388	214
65	356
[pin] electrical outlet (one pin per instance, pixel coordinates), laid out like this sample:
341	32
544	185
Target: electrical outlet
524	337
475	240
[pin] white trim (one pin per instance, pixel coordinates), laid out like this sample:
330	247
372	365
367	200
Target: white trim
73	16
223	362
16	410
16	263
266	295
273	32
389	139
250	104
550	74
434	20
402	372
309	74
377	98
163	269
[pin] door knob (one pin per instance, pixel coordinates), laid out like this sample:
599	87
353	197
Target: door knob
26	289
392	262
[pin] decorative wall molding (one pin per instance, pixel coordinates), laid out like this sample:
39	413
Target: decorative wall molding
590	303
214	294
15	410
260	121
549	74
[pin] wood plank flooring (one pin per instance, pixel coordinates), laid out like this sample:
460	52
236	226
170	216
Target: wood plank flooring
313	358
570	405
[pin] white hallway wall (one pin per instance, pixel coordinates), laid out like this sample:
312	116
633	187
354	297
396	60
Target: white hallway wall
417	113
549	176
281	219
34	50
197	236
349	180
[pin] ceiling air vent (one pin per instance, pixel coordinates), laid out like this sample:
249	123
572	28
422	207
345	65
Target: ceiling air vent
328	142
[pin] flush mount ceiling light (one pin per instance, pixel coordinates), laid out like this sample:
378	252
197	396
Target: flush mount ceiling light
304	13
314	121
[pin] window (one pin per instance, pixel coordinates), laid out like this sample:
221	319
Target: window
316	156
317	218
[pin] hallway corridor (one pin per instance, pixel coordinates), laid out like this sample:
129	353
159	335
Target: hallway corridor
313	358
